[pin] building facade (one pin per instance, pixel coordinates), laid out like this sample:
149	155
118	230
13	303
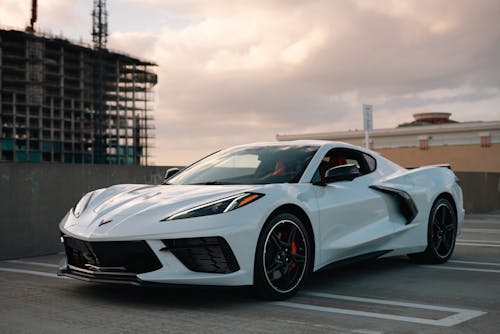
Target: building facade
69	103
468	146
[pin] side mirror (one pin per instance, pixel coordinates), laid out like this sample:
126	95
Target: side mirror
169	173
342	173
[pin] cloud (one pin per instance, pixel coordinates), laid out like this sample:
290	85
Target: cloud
14	13
55	17
244	72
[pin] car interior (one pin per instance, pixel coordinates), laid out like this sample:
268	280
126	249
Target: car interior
339	157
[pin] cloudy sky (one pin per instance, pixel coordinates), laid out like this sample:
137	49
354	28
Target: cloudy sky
232	72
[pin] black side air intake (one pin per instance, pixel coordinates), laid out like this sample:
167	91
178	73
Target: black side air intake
206	254
406	205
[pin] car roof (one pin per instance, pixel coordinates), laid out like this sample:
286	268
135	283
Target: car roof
319	143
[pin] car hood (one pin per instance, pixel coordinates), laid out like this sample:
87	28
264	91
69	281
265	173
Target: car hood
132	204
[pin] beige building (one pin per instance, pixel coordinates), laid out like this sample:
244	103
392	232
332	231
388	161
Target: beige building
431	139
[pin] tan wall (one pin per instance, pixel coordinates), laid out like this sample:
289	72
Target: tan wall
463	158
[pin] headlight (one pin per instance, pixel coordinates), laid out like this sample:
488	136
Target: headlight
216	207
82	204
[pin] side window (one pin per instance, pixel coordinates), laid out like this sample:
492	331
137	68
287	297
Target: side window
371	162
343	156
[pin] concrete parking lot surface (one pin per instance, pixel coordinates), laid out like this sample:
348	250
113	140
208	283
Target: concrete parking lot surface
385	296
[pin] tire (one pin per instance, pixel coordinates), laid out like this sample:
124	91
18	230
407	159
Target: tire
282	258
441	234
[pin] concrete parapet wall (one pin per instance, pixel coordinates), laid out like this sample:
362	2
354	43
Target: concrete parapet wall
481	191
35	197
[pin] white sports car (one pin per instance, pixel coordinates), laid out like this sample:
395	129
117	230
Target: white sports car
264	214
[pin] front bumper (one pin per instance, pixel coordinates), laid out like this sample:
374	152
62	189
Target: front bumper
200	261
239	228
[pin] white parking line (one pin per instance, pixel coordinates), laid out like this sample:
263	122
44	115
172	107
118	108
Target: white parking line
476	263
480	230
479	241
480	221
30	272
461	315
476	244
381	301
41	264
479	270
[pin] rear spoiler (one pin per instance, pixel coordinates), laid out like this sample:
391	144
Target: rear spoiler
438	165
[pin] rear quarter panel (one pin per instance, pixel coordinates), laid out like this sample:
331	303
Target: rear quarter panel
424	185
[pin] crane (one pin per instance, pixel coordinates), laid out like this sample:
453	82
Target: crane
99	24
34	16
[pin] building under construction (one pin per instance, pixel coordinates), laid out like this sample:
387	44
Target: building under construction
65	102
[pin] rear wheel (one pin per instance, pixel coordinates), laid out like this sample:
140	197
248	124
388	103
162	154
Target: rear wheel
283	257
441	234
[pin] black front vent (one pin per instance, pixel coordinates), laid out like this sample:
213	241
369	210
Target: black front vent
111	256
206	255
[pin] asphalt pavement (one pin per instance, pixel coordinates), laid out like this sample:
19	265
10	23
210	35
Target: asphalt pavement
384	296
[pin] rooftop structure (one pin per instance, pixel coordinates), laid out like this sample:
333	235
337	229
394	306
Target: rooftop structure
65	102
429	118
431	139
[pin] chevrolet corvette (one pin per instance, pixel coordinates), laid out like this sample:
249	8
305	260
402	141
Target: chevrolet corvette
265	215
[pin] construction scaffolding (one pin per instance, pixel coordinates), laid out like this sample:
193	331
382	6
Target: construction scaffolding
65	102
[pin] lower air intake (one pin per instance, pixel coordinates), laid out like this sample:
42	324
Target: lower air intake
206	255
134	257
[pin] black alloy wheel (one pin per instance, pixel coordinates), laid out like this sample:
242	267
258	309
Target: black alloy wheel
441	234
283	257
443	231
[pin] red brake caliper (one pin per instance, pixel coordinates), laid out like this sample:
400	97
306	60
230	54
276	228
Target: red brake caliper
294	251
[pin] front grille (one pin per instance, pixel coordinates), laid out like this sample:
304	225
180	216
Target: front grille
134	257
207	255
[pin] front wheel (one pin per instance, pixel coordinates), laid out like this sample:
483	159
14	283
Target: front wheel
283	257
441	234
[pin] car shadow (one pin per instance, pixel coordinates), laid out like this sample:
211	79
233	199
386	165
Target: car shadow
228	297
357	273
165	297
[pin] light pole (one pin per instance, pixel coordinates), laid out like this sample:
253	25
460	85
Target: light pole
367	123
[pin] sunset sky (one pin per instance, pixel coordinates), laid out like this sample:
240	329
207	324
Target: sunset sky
233	72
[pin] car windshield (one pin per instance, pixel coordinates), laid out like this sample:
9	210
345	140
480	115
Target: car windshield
249	165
